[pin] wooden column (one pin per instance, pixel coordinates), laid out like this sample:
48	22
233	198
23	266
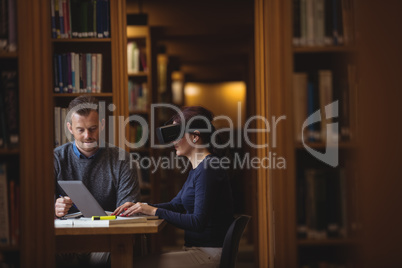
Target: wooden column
36	133
119	61
276	187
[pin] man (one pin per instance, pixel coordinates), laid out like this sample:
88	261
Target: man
110	180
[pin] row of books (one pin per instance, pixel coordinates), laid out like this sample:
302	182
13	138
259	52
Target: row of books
9	115
77	72
9	208
316	91
138	96
322	22
61	134
136	58
80	18
135	133
322	204
8	25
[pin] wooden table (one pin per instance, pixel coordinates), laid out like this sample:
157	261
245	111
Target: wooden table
118	240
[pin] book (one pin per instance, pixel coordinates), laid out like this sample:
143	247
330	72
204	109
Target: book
99	20
84	19
296	23
143	60
328	20
4	212
88	222
11	104
12	26
303	22
348	21
3	25
72	69
98	72
106	20
89	72
90	18
63	127
313	132
61	19
133	58
322	192
319	22
94	72
299	103
56	74
326	98
3	125
14	212
60	72
310	25
76	88
301	207
65	19
337	22
75	17
57	125
69	74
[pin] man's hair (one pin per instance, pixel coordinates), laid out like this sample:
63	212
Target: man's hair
83	105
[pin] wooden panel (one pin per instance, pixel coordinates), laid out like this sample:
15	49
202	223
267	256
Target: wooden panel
119	62
276	198
265	228
379	141
36	128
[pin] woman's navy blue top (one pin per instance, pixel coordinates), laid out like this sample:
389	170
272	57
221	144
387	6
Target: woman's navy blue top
203	207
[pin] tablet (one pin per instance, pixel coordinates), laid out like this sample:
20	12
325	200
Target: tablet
82	198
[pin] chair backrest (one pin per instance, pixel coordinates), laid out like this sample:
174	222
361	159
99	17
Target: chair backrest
232	240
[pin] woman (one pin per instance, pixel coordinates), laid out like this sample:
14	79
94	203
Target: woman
204	205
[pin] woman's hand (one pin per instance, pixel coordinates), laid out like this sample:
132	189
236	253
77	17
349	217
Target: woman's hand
122	208
140	208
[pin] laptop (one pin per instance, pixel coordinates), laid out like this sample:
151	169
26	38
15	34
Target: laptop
85	201
82	198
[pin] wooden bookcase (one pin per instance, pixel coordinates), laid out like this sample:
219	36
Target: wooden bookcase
291	201
324	206
139	96
104	45
10	157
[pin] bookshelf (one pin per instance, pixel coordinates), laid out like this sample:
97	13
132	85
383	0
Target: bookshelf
84	58
139	94
10	182
312	218
324	73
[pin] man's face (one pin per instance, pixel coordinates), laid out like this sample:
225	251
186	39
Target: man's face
85	130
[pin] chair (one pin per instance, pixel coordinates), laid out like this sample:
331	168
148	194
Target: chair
232	240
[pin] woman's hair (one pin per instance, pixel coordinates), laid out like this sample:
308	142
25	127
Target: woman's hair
200	119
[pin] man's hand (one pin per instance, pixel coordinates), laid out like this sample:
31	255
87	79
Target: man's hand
62	205
122	208
140	208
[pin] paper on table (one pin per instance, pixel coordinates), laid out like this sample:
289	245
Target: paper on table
88	222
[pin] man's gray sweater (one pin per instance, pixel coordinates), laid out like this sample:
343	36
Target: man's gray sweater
111	181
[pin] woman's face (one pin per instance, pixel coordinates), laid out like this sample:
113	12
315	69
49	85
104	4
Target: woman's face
184	146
